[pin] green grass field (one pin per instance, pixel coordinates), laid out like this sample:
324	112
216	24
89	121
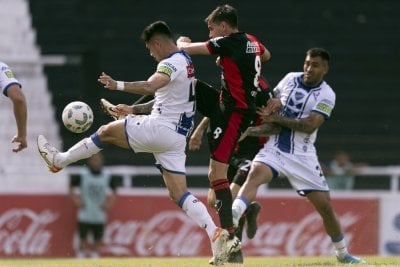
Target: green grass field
188	262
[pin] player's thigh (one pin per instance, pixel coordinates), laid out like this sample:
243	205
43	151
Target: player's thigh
151	135
304	173
260	173
114	133
225	129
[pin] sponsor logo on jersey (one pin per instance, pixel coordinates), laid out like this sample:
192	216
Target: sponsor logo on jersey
324	108
9	74
252	48
165	69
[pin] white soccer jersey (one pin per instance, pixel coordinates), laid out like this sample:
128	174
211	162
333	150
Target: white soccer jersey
298	101
174	103
6	78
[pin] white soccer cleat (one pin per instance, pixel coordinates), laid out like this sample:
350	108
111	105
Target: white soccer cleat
219	247
48	153
109	109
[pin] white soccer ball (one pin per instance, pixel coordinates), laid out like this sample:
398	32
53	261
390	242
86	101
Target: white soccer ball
77	117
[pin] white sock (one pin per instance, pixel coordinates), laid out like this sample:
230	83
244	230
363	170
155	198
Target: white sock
341	248
81	150
239	206
196	210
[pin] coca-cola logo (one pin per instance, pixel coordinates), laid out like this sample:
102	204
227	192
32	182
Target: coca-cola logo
304	237
22	231
167	233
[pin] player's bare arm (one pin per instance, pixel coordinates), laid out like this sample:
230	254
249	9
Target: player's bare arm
306	125
144	108
265	129
266	55
199	48
149	87
197	135
20	113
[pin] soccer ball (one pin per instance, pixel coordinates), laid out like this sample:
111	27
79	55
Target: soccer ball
77	117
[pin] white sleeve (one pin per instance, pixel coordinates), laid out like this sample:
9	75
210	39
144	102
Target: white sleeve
168	67
325	103
281	90
6	78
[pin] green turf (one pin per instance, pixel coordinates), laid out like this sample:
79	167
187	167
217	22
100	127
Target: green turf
188	262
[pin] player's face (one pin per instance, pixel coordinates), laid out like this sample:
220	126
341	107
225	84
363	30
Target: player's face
154	49
314	70
216	29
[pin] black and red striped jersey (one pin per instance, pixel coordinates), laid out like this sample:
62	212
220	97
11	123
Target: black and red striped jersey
241	67
250	146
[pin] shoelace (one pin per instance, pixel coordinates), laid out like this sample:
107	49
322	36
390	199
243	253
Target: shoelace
50	148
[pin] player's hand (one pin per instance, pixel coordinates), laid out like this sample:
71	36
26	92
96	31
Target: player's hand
195	142
107	81
21	141
244	135
182	41
274	105
123	109
266	116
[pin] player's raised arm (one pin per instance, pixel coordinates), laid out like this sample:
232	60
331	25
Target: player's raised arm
198	48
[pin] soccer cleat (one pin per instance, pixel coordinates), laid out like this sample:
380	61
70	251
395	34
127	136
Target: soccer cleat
219	247
48	153
251	216
350	259
109	109
233	245
236	257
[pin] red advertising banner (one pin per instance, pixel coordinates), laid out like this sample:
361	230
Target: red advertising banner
45	226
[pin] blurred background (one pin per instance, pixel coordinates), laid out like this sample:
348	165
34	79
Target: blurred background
363	37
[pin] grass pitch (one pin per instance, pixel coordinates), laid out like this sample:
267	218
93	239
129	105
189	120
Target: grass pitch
195	262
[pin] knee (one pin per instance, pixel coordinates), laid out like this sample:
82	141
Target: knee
259	175
103	131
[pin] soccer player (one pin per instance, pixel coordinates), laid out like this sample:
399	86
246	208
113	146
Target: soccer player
11	88
240	55
307	101
162	133
239	164
95	197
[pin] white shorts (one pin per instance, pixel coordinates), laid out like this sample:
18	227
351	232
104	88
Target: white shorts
303	172
151	135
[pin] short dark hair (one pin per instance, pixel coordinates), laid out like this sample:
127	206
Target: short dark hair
224	13
319	52
156	28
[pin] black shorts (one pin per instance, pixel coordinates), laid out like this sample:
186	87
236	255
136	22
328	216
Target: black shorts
96	229
226	125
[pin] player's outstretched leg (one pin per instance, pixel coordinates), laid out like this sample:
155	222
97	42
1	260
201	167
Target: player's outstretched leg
219	247
251	216
48	153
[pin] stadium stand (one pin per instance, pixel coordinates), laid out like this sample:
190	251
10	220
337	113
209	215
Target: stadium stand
18	49
361	35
